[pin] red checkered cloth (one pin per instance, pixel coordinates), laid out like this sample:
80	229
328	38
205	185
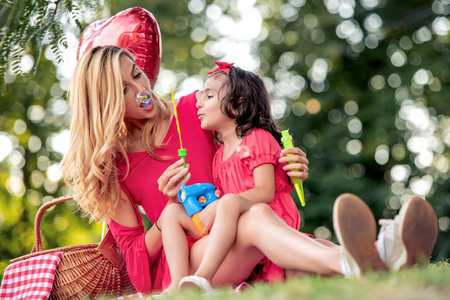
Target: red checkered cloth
31	278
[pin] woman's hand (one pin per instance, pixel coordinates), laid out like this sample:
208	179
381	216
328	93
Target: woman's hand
171	180
300	163
207	216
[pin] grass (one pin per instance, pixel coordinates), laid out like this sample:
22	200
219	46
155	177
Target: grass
431	282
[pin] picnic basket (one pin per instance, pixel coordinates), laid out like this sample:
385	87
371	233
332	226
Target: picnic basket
86	270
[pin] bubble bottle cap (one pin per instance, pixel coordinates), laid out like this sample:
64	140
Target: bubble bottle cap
285	136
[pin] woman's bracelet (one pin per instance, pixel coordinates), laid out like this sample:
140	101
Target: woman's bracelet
156	224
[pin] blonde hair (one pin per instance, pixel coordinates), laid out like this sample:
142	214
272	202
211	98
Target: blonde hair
98	132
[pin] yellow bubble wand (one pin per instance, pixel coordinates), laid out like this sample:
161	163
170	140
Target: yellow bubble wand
181	151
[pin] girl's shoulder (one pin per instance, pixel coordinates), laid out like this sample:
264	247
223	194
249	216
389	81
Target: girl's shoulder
261	135
261	141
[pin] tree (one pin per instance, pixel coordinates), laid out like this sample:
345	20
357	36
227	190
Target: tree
365	86
33	111
29	26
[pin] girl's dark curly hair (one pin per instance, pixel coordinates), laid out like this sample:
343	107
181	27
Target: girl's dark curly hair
247	101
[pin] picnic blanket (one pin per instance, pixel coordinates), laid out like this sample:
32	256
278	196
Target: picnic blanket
31	278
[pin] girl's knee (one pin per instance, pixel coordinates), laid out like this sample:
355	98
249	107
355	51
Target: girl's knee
230	203
172	212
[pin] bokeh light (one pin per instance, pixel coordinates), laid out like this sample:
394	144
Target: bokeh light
382	154
313	106
7	146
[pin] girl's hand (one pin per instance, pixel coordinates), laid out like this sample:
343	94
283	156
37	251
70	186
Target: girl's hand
300	163
207	216
171	180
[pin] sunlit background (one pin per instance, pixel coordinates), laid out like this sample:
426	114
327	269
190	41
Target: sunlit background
363	87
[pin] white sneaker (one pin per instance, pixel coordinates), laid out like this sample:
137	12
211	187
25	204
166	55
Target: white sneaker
355	228
195	282
409	238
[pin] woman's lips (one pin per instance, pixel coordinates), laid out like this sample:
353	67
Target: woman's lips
148	107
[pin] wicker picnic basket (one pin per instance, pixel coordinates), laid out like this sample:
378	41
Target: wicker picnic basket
85	271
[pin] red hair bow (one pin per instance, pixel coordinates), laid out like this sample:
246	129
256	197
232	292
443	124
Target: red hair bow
221	66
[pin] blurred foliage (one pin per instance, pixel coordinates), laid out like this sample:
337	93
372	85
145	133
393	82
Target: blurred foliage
362	86
366	88
29	25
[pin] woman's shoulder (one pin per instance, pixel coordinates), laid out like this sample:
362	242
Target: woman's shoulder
188	99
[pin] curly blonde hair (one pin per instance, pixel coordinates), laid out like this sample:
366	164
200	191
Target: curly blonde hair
98	131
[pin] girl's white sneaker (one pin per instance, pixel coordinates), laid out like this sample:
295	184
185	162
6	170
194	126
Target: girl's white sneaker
195	282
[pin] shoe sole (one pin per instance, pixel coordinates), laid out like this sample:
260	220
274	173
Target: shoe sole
355	227
419	231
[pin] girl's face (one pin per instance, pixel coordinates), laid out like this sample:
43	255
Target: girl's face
135	81
208	104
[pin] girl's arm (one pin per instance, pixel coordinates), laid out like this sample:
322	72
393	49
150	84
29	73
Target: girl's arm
264	190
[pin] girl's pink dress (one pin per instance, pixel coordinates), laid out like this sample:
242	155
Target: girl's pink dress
235	175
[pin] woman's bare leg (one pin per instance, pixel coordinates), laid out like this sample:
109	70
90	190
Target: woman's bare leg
295	251
258	231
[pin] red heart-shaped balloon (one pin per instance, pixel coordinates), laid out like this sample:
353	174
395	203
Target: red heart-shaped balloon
134	29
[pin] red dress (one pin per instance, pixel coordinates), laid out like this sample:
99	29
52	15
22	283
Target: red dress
141	187
235	175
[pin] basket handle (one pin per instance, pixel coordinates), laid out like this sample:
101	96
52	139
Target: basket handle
37	223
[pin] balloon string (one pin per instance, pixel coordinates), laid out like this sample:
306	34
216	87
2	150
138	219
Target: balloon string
176	118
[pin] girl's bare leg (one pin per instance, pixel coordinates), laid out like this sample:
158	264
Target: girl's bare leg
223	234
174	223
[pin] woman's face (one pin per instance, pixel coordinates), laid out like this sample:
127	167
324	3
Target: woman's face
135	81
208	104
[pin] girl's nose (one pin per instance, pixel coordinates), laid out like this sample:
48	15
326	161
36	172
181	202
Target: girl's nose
199	96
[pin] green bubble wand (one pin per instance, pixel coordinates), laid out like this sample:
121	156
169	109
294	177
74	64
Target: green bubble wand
286	139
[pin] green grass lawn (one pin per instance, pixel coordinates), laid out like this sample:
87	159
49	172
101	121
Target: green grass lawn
432	282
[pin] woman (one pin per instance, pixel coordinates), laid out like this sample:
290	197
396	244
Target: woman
123	137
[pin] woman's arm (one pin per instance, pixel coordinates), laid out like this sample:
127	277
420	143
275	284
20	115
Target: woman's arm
300	163
171	180
125	215
140	248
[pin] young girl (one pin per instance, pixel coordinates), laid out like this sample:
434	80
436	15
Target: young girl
235	105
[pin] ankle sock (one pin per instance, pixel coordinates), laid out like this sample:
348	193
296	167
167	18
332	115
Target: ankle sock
380	246
344	266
